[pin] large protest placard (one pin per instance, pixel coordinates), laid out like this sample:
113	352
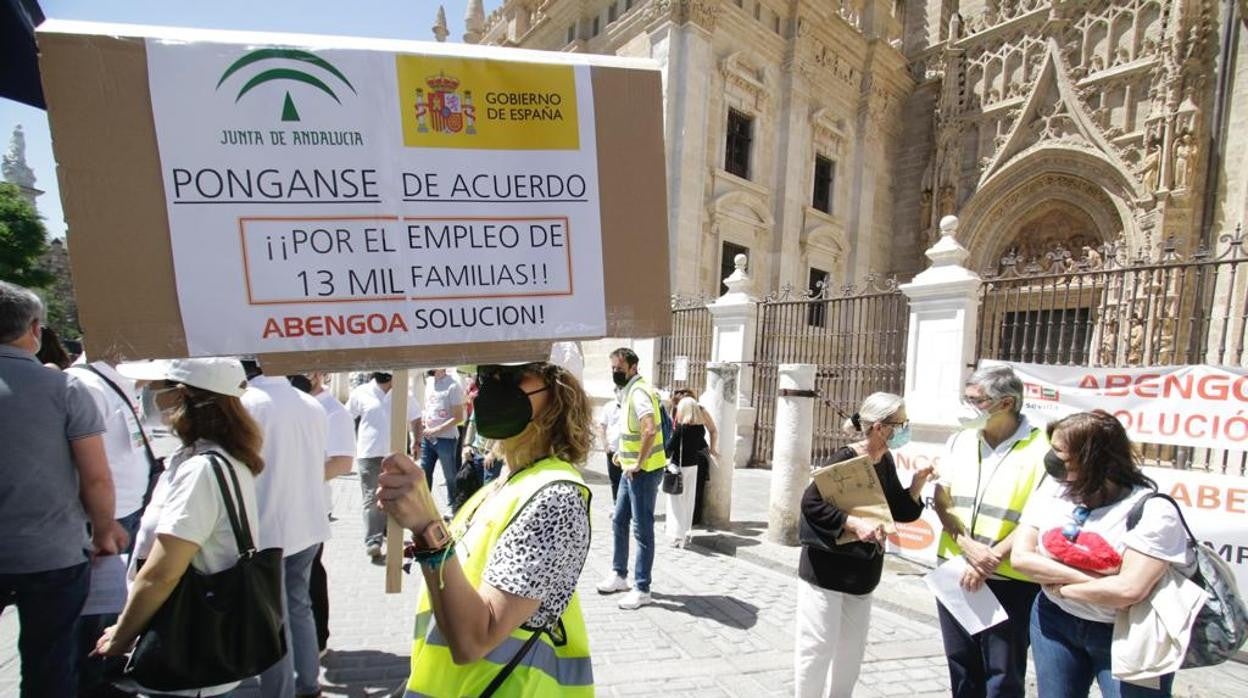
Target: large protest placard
1202	406
350	201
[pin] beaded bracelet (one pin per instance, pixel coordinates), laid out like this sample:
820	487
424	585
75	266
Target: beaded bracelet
435	558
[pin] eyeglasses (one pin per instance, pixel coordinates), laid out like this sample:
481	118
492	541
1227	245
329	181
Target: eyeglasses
1071	530
903	425
976	401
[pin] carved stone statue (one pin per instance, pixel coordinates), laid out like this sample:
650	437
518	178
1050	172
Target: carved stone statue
1135	345
14	166
1091	257
1109	342
947	200
925	208
1184	153
1150	168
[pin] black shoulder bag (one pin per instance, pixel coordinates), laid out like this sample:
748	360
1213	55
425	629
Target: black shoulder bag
216	628
155	466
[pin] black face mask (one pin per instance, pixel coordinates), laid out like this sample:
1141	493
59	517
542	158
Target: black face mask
620	378
502	408
1055	466
383	377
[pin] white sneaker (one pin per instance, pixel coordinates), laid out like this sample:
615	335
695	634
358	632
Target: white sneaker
635	599
373	550
612	583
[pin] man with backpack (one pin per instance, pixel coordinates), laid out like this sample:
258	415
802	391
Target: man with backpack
641	458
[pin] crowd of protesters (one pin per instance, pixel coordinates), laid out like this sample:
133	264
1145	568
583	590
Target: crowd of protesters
80	484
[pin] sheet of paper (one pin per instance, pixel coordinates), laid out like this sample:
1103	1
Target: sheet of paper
854	487
975	611
108	586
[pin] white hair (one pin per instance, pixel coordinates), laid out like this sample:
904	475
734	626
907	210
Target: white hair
876	408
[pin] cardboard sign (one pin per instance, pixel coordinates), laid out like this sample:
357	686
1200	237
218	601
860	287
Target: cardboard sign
1198	405
349	203
853	486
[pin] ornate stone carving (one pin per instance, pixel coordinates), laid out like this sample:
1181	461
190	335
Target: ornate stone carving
704	13
744	76
1184	157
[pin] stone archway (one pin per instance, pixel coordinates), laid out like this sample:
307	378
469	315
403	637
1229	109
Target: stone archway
1044	192
1050	226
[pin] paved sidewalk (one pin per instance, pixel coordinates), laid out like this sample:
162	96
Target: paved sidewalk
722	624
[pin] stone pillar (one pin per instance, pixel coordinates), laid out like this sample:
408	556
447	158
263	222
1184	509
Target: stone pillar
940	350
735	318
720	399
790	460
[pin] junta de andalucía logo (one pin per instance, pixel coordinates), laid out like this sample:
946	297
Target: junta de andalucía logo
276	66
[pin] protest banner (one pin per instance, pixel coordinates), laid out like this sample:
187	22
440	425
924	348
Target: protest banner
347	203
1201	406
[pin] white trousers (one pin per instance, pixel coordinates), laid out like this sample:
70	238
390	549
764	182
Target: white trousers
680	507
831	638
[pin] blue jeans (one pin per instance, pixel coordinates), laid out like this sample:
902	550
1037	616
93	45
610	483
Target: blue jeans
298	671
635	504
445	450
1070	652
48	604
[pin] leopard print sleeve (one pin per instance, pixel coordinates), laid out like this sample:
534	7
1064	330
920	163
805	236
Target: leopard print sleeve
541	554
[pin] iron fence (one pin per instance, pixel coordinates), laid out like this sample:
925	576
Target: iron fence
684	353
856	337
1114	308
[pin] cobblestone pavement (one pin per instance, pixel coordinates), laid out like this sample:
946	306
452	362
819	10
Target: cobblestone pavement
722	624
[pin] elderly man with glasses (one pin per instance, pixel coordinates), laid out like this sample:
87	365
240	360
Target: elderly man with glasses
989	470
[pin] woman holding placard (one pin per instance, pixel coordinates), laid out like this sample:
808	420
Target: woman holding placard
834	592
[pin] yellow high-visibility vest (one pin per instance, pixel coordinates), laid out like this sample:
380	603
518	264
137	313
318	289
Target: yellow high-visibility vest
630	434
990	504
558	664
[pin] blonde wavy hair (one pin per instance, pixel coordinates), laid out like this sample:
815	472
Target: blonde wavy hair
565	427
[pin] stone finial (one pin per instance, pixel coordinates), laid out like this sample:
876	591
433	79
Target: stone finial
948	251
474	22
440	31
14	165
739	282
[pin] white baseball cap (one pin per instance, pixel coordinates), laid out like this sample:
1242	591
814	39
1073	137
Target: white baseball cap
223	376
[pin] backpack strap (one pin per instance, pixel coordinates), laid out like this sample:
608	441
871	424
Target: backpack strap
1137	511
147	445
238	517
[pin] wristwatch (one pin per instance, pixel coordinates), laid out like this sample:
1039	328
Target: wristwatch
433	536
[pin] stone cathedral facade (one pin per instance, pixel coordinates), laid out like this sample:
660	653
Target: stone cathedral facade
827	138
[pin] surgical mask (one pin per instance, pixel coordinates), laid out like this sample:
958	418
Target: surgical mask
502	408
1055	466
973	417
620	378
900	437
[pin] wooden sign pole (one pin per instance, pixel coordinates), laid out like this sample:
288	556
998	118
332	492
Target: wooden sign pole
398	444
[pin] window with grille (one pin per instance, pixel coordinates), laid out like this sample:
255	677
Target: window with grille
825	174
817	311
1049	336
740	135
728	264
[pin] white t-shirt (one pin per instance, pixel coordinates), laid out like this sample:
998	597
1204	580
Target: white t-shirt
611	422
123	436
187	504
341	437
291	487
371	405
442	397
1159	533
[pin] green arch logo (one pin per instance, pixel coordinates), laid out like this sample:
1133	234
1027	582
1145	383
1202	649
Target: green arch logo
267	55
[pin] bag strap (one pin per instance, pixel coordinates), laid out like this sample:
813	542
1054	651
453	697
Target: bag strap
1137	512
147	445
502	675
238	517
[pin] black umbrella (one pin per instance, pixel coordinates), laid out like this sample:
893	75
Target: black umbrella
19	59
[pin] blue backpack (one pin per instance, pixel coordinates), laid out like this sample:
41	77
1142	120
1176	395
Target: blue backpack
665	423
